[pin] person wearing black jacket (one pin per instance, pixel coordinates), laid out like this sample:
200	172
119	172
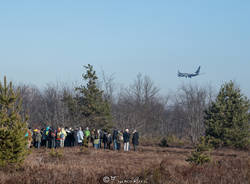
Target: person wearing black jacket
135	139
115	139
105	139
109	137
71	137
126	137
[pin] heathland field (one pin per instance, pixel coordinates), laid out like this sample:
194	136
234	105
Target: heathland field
148	165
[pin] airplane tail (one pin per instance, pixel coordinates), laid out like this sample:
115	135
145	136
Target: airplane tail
198	70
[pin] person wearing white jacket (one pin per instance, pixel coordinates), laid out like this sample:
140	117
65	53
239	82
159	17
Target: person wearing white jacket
80	136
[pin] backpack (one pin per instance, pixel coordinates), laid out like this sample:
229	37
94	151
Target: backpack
62	135
121	138
53	134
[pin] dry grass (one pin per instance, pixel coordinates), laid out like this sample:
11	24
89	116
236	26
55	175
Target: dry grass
150	164
171	140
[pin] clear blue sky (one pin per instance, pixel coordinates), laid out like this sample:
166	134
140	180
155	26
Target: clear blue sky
43	41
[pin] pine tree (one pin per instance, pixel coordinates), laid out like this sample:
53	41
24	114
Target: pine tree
92	106
227	119
201	154
12	128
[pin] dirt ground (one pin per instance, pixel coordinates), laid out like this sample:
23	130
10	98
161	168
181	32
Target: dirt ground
147	165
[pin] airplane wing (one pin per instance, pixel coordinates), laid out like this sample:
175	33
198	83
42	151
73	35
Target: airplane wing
181	74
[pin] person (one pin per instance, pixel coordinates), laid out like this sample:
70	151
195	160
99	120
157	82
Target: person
135	139
38	138
97	140
109	141
92	138
100	134
34	137
71	137
29	136
63	137
105	139
126	137
75	131
67	138
115	138
58	137
43	131
87	136
80	136
119	139
47	136
53	137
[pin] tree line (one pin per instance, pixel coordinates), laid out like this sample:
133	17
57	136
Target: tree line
140	105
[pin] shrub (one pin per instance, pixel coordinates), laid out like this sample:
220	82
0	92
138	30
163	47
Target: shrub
163	142
175	141
200	155
171	140
56	153
84	151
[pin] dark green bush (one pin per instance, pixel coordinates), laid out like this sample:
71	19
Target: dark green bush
163	142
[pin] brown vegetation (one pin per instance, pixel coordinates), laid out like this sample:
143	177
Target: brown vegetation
148	165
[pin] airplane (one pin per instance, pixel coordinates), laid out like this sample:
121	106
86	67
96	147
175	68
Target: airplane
189	75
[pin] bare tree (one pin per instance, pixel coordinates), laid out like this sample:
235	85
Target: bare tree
189	107
108	86
32	104
45	107
55	111
140	106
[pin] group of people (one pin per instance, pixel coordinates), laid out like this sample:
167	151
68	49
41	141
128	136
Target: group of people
68	137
